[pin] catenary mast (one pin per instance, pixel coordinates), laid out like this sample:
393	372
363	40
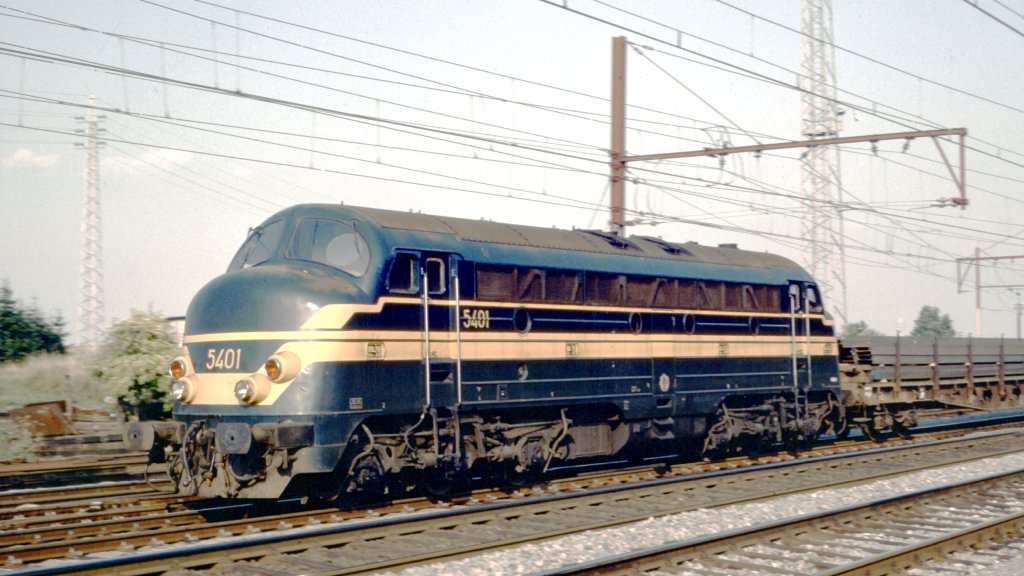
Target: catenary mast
90	283
820	179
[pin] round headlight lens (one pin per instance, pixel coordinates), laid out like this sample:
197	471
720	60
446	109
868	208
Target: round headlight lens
177	390
183	390
274	369
245	390
177	368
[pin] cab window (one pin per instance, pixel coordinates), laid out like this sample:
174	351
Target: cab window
403	278
336	244
259	246
814	300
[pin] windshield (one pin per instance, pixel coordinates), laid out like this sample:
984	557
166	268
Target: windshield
259	246
330	242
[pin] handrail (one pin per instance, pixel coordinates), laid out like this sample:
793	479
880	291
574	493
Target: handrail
426	334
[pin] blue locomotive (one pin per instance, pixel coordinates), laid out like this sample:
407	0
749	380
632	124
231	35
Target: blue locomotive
354	350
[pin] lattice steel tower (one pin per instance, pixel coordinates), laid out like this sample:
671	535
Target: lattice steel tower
820	178
90	284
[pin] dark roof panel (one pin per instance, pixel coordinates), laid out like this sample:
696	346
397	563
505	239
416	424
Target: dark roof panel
486	239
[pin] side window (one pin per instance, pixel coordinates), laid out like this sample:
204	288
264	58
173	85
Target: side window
814	305
403	278
794	298
437	283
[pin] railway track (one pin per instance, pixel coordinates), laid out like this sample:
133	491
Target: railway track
44	524
320	542
75	494
71	470
926	530
49	523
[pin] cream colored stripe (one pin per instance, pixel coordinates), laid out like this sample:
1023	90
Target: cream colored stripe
406	350
269	335
482	335
334	316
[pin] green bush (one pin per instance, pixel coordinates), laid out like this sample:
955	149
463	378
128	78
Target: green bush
133	365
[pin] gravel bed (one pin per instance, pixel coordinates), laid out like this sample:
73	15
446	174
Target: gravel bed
577	548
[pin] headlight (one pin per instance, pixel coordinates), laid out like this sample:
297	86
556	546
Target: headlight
252	389
178	368
282	367
183	390
245	390
274	368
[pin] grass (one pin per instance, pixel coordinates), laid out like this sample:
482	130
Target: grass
51	377
44	378
16	441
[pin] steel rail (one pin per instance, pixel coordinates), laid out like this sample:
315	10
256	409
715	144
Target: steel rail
938	549
70	495
437	533
107	517
722	553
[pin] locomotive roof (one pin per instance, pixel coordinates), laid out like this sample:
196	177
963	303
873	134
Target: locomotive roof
515	244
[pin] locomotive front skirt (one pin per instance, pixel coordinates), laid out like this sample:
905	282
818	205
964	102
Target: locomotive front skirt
352	350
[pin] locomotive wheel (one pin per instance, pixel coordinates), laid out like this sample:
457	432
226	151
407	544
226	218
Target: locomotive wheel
437	485
840	428
794	441
441	481
753	444
871	433
368	479
901	430
508	474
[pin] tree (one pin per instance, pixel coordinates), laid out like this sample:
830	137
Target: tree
24	331
859	329
133	364
931	322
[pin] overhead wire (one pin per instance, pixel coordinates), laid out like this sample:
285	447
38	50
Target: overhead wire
188	122
563	89
562	202
280	144
811	205
994	17
164	46
876	61
908	121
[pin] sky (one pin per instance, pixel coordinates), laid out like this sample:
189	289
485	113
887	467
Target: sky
219	113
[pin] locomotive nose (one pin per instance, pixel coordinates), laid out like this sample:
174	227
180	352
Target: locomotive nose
261	298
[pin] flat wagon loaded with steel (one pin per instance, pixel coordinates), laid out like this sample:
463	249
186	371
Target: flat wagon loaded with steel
887	380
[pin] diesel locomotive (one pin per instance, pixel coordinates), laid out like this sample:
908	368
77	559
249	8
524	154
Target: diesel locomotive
354	350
